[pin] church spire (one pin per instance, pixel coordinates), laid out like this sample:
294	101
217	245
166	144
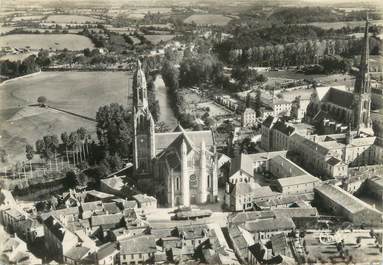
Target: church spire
362	82
362	95
140	97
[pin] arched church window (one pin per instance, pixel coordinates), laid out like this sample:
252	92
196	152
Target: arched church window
208	181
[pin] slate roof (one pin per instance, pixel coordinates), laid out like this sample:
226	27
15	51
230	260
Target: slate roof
295	212
92	206
340	97
76	253
298	180
283	127
111	208
333	161
192	231
265	225
107	219
243	188
55	226
279	245
242	217
242	163
346	200
136	245
163	140
106	250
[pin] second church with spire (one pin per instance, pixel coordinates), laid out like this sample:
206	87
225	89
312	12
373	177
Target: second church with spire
183	163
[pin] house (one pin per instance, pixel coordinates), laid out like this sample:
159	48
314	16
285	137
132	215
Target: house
298	185
191	236
145	202
265	228
13	220
57	238
87	209
76	255
106	255
241	240
94	195
137	250
342	203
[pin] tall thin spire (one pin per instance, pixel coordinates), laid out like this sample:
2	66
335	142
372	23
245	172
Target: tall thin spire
362	82
140	98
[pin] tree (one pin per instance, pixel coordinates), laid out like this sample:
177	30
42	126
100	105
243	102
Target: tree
65	141
162	127
70	180
3	156
29	154
114	129
42	100
115	162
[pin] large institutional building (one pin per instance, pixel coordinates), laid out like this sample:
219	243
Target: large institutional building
184	163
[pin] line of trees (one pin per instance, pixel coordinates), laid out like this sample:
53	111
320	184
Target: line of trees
299	53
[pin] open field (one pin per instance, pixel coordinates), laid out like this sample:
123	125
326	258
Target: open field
75	19
339	25
51	30
208	19
79	92
155	39
16	57
4	30
46	41
27	18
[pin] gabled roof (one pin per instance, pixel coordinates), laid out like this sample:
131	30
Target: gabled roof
298	180
136	245
107	219
56	227
263	225
346	200
243	188
340	97
242	163
194	138
333	161
76	253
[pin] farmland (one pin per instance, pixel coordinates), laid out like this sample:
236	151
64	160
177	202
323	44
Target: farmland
72	91
208	19
27	18
339	25
46	41
155	39
63	19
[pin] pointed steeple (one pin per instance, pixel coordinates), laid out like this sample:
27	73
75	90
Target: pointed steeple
362	82
140	97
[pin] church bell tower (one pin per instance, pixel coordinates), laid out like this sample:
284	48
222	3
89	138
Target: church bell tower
143	127
362	90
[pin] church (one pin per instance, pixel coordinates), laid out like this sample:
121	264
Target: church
335	108
183	163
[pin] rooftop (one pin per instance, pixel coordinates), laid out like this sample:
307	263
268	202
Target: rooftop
272	224
343	198
136	245
298	180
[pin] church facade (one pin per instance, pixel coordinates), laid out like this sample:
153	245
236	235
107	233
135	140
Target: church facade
183	163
